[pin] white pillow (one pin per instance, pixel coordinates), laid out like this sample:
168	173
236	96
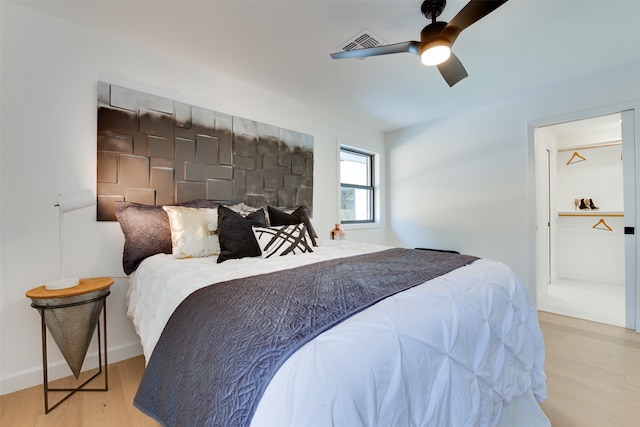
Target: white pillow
283	240
194	231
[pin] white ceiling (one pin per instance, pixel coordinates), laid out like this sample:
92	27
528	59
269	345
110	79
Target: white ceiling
284	46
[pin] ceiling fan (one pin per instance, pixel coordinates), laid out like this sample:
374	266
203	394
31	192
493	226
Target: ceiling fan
436	39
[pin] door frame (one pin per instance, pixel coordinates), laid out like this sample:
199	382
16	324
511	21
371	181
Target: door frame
631	169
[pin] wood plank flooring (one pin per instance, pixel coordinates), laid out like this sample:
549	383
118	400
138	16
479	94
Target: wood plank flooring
593	374
114	408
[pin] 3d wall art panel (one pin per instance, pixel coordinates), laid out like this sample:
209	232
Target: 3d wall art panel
157	151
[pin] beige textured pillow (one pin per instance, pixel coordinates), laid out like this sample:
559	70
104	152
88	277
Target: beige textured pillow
194	231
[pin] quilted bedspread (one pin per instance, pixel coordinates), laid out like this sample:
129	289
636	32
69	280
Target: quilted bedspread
241	331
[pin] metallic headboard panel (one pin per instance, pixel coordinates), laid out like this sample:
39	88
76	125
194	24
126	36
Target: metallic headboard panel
157	151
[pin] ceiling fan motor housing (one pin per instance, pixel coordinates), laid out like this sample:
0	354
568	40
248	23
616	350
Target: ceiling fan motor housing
432	31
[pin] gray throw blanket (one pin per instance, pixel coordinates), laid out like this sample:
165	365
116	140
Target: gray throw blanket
224	342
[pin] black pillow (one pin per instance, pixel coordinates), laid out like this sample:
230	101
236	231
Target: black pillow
298	216
236	234
147	231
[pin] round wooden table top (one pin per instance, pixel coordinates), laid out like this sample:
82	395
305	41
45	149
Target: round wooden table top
85	286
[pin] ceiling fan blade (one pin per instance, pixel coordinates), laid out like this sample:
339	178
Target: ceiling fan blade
474	11
452	70
410	47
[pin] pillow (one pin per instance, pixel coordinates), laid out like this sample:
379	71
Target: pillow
146	230
194	231
283	240
296	216
243	209
236	235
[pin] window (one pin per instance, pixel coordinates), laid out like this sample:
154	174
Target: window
356	186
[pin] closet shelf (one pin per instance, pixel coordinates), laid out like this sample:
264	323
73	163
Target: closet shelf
591	213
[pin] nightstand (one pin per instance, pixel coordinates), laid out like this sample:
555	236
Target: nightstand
72	315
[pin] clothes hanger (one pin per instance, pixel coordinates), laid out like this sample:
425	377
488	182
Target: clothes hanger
574	156
605	226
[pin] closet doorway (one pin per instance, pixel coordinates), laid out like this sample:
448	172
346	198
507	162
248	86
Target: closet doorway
585	266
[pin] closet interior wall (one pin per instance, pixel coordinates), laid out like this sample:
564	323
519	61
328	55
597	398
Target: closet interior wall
586	239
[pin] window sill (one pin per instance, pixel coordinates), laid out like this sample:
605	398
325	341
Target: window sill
362	226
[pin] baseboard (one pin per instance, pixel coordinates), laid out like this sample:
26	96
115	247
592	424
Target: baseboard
59	369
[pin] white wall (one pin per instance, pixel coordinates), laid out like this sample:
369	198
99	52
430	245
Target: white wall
50	71
582	252
466	182
599	178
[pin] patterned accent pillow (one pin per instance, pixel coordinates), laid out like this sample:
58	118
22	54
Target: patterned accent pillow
194	232
243	209
283	240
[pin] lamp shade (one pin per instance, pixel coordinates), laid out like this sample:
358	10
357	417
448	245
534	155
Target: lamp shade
77	200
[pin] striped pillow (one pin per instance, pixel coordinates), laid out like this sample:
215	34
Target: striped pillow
283	240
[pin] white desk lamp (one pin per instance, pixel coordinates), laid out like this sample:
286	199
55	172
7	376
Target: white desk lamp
67	203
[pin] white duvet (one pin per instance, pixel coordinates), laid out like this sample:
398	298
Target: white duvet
451	352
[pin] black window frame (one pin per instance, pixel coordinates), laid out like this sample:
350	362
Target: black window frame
371	187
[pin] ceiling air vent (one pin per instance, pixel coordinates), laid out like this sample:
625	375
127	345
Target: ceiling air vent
362	40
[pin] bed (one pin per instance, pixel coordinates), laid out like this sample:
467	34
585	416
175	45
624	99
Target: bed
462	348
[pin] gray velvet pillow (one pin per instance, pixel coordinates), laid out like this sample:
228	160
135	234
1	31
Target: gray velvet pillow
147	231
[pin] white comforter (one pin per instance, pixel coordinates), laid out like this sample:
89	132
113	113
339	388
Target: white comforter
451	352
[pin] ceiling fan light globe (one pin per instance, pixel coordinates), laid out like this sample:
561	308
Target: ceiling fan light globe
435	55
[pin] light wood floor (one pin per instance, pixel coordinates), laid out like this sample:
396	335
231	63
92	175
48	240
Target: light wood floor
114	408
593	374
